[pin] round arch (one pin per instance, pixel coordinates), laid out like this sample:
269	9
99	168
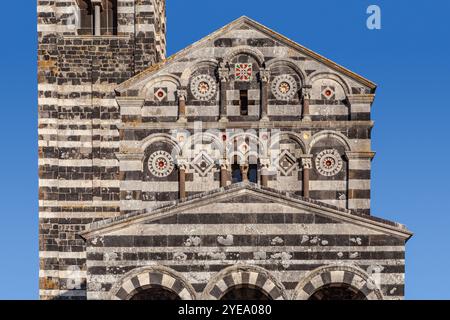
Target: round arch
255	53
160	137
337	274
318	75
241	275
290	63
261	153
330	134
160	78
288	135
148	277
192	140
189	70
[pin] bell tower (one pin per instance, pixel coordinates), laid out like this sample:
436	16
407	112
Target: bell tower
86	48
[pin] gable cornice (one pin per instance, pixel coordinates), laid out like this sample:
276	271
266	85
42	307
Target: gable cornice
106	226
269	32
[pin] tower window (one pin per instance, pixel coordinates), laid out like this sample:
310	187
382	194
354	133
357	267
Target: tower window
243	102
109	18
98	19
86	17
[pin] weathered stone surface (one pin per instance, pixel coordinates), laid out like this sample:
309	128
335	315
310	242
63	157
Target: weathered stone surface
124	134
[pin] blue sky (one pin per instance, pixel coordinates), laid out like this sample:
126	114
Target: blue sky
407	58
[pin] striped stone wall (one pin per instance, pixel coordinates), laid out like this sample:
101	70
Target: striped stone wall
123	132
78	136
245	226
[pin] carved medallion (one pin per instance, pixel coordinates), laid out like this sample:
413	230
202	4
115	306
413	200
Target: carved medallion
203	87
329	162
161	164
284	87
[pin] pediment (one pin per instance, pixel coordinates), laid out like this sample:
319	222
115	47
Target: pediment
243	205
214	47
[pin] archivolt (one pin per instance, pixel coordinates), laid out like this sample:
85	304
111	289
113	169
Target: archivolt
337	274
255	53
327	134
148	277
160	137
189	70
327	75
290	63
238	275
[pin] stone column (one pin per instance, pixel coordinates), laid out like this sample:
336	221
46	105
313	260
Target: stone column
224	173
224	75
306	97
264	76
97	16
244	172
182	97
182	166
307	166
265	165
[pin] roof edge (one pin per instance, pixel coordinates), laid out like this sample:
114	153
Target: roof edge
134	217
270	32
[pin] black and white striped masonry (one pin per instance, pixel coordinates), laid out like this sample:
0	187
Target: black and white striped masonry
239	167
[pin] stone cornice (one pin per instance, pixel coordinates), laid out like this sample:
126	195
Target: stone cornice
361	98
134	102
360	155
335	125
129	156
215	196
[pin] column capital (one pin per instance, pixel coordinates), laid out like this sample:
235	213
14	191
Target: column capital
264	162
264	75
307	163
223	74
183	164
306	92
224	164
182	94
97	3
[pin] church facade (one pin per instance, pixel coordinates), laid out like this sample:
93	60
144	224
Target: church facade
238	168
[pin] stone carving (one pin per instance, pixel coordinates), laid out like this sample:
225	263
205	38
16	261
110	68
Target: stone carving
243	72
329	162
306	163
161	164
284	87
203	87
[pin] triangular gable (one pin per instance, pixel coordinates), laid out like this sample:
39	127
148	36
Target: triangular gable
242	195
239	23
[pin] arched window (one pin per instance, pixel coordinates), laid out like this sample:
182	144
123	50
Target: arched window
236	173
86	17
105	16
109	18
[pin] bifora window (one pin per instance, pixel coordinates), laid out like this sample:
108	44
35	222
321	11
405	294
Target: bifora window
98	17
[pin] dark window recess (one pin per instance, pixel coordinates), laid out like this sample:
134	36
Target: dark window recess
86	18
253	173
236	173
243	102
108	18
